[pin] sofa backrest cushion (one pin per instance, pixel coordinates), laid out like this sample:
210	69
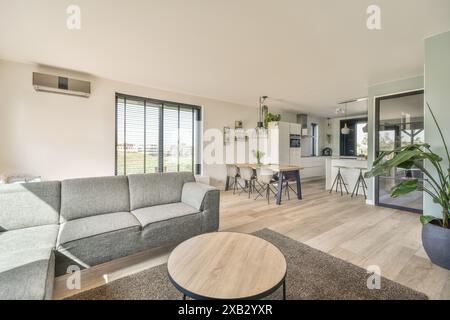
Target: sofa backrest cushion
29	205
148	190
81	198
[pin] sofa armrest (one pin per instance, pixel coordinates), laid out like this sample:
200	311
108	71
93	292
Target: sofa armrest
206	199
194	194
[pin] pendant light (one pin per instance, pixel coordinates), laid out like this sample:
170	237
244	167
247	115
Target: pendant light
345	130
260	124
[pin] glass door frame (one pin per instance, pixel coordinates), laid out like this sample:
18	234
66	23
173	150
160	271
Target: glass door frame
378	101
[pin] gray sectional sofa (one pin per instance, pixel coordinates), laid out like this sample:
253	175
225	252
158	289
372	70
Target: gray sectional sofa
47	226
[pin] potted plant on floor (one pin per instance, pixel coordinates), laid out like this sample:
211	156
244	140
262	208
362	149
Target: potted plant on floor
436	231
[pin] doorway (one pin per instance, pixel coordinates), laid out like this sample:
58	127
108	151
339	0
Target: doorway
399	121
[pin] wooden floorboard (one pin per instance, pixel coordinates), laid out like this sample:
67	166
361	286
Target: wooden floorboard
340	226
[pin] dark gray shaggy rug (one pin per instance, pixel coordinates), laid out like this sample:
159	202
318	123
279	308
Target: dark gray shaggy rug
311	275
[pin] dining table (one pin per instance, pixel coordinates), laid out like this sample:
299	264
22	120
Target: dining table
283	172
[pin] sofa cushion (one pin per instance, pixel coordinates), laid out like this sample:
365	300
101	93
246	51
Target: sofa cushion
28	239
27	275
163	212
171	232
96	225
147	190
100	247
81	198
29	205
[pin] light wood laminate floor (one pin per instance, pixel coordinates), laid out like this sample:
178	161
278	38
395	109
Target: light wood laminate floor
340	226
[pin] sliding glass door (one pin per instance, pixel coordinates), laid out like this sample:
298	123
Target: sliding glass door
155	136
399	122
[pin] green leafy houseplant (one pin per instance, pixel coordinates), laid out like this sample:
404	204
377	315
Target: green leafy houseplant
414	155
270	117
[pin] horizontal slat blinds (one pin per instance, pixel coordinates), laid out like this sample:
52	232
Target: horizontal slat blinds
171	136
186	140
134	123
155	136
153	114
120	136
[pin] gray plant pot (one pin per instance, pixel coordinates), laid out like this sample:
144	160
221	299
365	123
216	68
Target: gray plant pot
436	242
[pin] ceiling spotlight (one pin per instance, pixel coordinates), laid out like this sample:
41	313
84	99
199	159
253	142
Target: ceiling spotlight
339	111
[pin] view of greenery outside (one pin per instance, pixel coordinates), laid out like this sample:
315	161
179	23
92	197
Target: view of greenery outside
362	139
136	157
387	140
419	137
151	161
138	137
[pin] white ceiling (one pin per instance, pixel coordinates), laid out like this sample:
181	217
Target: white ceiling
310	53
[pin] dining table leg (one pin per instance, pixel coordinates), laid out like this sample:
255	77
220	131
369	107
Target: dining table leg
280	187
299	185
227	184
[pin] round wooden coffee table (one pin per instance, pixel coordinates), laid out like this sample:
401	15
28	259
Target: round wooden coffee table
227	265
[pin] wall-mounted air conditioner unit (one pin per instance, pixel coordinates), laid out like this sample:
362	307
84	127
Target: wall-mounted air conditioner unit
54	84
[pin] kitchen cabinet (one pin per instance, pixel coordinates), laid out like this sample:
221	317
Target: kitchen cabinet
295	155
313	167
295	128
280	150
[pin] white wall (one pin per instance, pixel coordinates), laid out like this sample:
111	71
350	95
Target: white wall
437	94
307	141
61	137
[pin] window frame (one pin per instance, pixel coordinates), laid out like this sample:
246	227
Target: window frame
197	117
314	138
352	125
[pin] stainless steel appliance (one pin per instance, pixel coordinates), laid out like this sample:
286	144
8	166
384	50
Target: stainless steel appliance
295	141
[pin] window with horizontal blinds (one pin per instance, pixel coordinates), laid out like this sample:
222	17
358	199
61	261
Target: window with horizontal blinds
152	143
156	136
171	138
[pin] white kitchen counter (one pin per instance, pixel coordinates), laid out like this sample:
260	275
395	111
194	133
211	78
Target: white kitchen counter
313	167
350	173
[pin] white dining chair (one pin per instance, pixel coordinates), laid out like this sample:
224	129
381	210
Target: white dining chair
247	174
265	178
233	175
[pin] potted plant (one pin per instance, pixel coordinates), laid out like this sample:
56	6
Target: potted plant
436	231
259	155
270	117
